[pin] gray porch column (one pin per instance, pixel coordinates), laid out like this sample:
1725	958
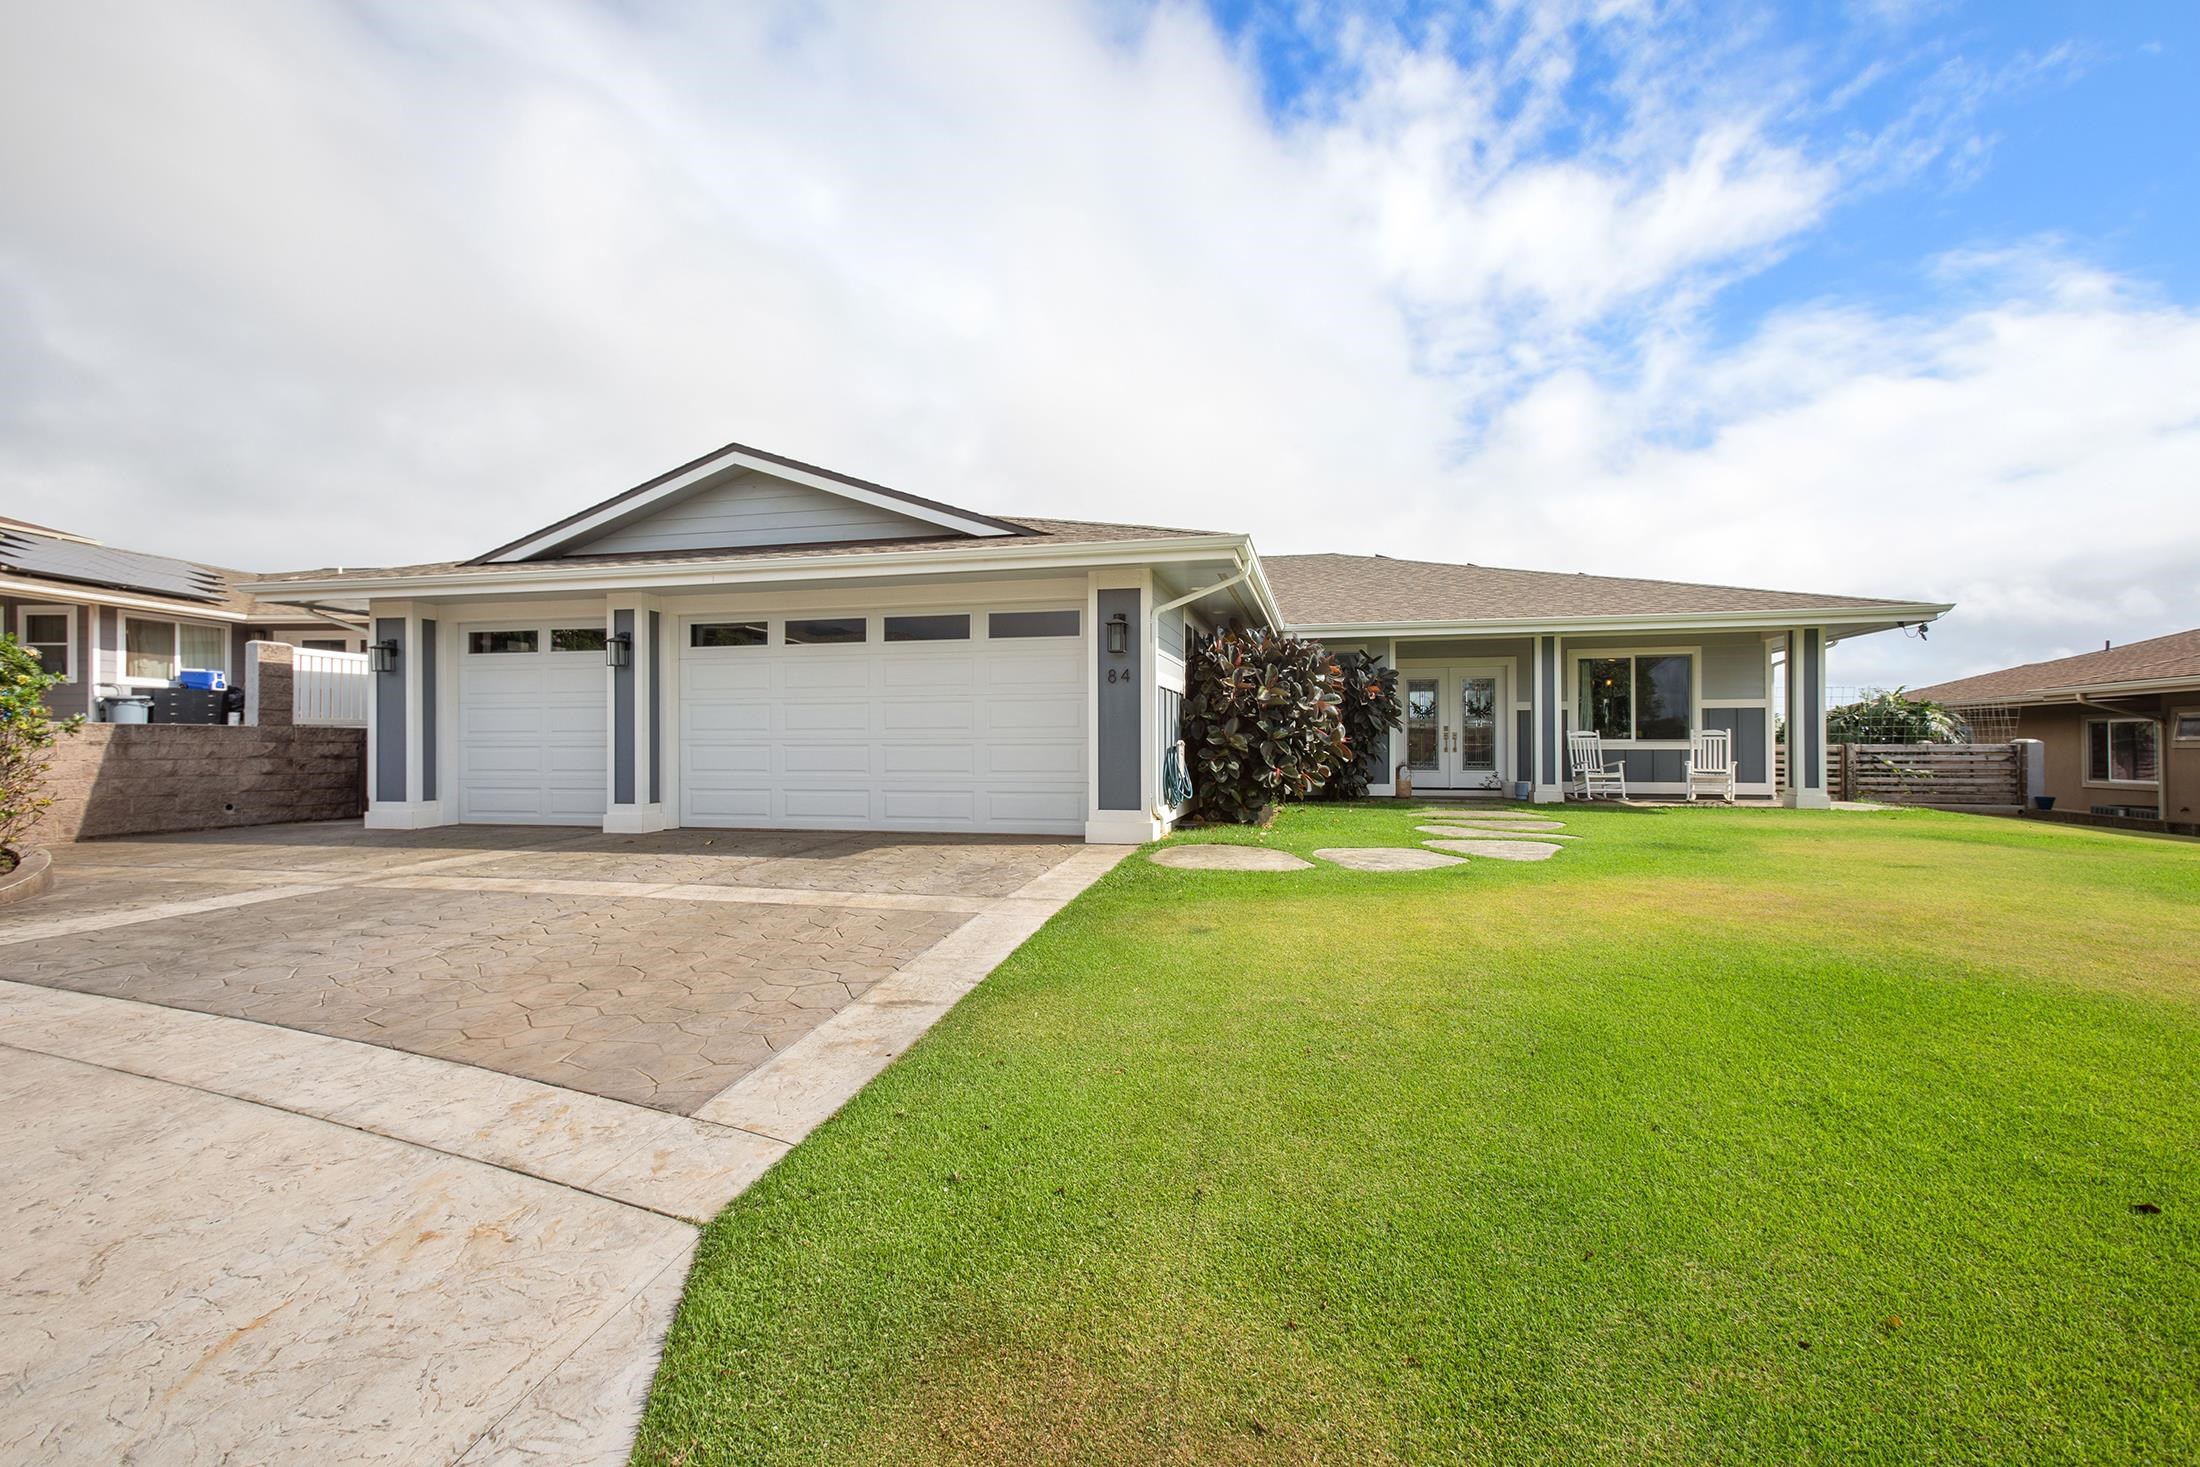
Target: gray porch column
1806	720
1124	759
402	784
633	799
1549	696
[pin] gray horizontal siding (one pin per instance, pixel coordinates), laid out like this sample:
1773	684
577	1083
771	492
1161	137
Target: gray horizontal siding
754	509
1748	727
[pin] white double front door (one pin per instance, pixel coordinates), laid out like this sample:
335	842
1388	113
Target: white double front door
1454	725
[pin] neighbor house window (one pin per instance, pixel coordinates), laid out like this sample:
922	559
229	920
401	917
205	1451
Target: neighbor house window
576	639
518	639
2122	751
1031	624
955	628
1636	696
2186	725
323	644
155	651
50	631
726	634
827	631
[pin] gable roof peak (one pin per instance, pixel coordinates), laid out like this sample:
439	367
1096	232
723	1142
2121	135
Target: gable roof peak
731	459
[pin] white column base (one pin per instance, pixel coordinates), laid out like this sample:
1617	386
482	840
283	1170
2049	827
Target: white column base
1807	800
1382	792
1548	794
405	814
633	819
1121	828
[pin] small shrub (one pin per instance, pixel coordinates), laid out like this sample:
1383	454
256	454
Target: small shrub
1262	722
27	732
1369	703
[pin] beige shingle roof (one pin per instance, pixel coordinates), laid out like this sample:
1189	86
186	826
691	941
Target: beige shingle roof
2158	659
1040	532
1344	590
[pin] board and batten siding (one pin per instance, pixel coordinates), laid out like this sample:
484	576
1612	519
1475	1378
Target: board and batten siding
749	509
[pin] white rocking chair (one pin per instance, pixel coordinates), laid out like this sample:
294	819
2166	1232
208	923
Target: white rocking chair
1711	763
1592	775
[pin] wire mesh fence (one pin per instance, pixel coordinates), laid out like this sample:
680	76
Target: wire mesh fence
1878	715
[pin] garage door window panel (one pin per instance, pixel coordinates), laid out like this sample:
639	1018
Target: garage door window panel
828	631
1004	625
576	639
954	628
498	643
712	634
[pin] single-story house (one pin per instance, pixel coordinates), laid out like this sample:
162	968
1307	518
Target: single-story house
751	641
123	621
2121	726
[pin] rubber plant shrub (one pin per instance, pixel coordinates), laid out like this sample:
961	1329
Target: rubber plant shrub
1263	722
27	733
1369	698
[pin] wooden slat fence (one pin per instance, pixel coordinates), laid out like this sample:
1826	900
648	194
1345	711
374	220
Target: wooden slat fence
1946	776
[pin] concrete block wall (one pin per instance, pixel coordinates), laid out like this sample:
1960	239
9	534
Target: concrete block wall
145	779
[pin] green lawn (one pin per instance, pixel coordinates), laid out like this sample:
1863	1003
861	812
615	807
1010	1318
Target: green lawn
1726	1136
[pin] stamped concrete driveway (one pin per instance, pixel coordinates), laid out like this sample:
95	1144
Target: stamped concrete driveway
333	1145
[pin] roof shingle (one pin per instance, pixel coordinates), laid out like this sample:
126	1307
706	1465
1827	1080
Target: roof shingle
2158	659
1344	590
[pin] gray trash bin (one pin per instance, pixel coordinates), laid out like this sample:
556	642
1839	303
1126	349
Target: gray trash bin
129	710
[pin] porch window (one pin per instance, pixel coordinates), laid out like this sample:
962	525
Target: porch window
1647	696
2122	751
154	651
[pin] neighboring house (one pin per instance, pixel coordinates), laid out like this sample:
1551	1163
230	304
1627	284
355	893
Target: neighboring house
790	646
121	621
2121	726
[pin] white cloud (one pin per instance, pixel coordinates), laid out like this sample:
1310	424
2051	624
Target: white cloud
288	283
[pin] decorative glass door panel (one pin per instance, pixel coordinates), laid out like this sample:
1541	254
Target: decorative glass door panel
1424	714
1455	726
1477	728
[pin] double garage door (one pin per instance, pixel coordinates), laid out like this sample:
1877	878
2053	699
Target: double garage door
948	720
936	721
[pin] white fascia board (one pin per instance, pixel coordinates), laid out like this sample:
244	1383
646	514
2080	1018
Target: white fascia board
620	509
95	596
1855	617
552	578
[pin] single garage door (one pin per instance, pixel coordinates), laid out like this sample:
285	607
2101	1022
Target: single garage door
948	720
531	723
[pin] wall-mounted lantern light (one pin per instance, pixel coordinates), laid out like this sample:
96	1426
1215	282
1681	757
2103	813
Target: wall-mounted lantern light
618	650
1119	635
382	656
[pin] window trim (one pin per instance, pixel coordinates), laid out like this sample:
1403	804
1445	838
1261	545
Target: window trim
2108	781
67	613
1571	707
123	676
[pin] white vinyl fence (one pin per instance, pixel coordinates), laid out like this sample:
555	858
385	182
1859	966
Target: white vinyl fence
328	689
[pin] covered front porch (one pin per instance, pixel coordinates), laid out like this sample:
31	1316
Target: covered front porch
1488	715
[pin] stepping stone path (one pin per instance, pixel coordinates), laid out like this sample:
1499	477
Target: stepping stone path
1228	858
1492	832
1503	850
1387	858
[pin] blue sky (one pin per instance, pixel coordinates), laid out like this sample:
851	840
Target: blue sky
1892	298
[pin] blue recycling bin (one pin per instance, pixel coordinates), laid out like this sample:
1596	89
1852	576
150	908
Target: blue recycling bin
205	679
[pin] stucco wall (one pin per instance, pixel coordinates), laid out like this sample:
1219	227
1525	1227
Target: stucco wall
142	779
2062	731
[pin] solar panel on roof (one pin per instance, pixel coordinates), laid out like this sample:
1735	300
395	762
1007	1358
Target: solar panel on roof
100	565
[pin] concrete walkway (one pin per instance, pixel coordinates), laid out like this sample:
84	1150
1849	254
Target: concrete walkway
236	1240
